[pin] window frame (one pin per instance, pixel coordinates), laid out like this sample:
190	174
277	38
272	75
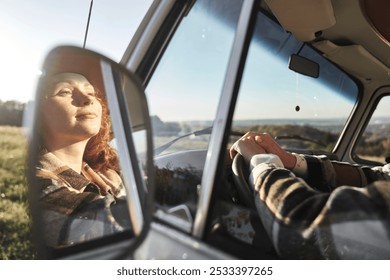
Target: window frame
370	111
213	168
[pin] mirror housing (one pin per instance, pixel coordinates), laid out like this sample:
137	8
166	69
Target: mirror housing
304	66
130	122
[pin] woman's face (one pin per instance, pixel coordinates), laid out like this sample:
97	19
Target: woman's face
71	110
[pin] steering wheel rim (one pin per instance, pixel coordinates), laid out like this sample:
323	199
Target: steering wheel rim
241	177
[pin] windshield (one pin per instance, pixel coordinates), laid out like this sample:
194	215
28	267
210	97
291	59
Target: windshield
298	110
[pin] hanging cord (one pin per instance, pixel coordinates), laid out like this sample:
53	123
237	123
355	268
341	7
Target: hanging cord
297	107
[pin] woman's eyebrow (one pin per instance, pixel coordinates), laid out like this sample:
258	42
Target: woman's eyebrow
73	83
62	83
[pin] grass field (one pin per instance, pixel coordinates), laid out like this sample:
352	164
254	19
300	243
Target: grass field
14	218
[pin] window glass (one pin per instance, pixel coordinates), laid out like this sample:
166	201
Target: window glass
374	145
183	96
302	112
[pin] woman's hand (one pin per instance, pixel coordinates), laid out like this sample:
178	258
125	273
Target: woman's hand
247	146
268	145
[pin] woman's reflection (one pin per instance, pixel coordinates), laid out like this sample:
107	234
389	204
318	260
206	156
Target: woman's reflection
82	194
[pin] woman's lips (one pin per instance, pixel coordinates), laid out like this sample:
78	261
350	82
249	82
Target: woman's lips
86	116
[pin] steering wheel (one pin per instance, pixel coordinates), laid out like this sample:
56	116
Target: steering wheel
241	177
246	195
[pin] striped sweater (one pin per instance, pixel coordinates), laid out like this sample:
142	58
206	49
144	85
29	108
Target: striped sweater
79	207
340	211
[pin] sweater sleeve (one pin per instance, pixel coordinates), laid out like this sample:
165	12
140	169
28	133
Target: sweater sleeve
325	175
322	220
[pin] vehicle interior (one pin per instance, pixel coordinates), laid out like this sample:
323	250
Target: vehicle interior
343	113
314	74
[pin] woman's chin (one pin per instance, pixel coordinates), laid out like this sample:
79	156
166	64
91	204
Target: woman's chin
88	132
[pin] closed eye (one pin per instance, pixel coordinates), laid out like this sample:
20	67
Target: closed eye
64	92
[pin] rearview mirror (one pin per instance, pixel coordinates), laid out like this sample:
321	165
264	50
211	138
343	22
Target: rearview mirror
304	66
90	156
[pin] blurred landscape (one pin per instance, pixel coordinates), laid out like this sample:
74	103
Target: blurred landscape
318	134
14	215
11	113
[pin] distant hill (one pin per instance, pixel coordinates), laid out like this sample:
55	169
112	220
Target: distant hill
303	136
300	133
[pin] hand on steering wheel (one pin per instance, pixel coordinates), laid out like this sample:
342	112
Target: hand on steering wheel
241	152
247	146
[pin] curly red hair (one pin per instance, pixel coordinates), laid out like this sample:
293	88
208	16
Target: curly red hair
98	153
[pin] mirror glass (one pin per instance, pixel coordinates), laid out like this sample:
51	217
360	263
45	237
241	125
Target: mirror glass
89	152
304	66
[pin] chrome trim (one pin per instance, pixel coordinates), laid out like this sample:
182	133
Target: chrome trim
146	33
220	122
129	180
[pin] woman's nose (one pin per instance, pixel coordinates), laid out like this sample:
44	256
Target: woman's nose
85	98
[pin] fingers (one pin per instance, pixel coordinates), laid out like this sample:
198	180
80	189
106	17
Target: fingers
255	142
247	147
233	150
258	139
267	142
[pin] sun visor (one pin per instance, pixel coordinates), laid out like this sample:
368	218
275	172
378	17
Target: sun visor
345	57
303	18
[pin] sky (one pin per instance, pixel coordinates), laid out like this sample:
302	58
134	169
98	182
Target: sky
189	79
29	29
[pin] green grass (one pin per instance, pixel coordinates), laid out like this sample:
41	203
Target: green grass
14	216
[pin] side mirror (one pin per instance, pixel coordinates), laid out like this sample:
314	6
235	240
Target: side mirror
304	66
90	171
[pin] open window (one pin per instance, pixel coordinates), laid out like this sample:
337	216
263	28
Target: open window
374	144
